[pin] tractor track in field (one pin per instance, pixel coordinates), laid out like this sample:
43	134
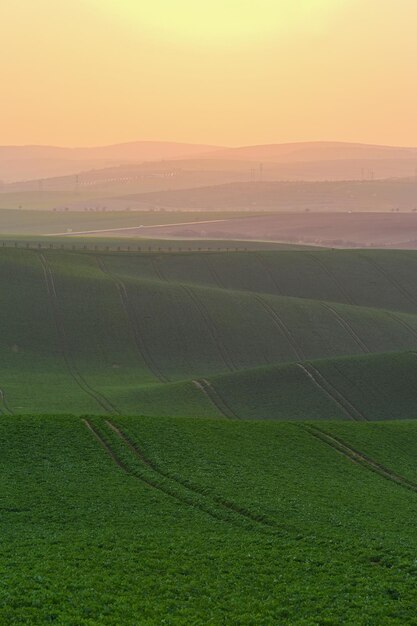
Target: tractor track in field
403	323
335	280
103	402
159	273
360	458
263	263
4	407
214	274
279	323
130	316
205	314
347	326
216	500
331	392
394	282
180	336
200	306
215	398
226	508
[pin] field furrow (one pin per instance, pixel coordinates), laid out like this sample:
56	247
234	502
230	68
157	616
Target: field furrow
148	473
211	326
4	406
391	279
280	324
346	297
131	318
347	326
358	457
102	401
217	501
207	388
331	391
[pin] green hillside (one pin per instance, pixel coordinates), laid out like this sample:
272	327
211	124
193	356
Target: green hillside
208	437
251	335
142	521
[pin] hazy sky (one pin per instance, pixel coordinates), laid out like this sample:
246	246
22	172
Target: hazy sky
80	72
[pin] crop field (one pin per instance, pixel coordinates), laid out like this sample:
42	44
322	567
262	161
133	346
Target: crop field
143	521
209	334
208	437
33	223
343	229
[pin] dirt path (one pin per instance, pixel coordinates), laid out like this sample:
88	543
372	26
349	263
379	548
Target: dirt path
358	457
138	227
103	402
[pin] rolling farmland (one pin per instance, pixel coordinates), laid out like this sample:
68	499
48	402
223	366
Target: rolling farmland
136	520
208	437
121	332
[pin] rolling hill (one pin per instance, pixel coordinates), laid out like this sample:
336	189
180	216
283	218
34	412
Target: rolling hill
207	437
209	334
19	163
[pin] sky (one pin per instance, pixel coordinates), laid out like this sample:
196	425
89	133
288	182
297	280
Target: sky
224	72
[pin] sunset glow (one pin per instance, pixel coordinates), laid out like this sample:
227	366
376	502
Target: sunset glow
230	73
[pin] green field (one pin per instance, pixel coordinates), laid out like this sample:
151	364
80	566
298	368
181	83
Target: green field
208	437
175	521
210	334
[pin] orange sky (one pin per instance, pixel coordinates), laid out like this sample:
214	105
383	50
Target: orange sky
83	72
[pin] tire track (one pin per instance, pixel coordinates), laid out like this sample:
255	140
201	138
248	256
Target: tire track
214	274
4	407
216	500
215	398
334	278
322	383
347	326
224	353
360	458
279	323
131	318
394	282
403	323
154	483
267	268
103	402
200	306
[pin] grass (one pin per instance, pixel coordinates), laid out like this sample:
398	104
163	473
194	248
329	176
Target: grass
225	522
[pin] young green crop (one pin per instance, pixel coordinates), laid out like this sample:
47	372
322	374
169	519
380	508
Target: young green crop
224	522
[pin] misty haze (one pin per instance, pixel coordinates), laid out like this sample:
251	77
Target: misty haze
208	320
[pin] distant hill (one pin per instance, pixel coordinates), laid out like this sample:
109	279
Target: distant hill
19	163
376	195
314	151
208	164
